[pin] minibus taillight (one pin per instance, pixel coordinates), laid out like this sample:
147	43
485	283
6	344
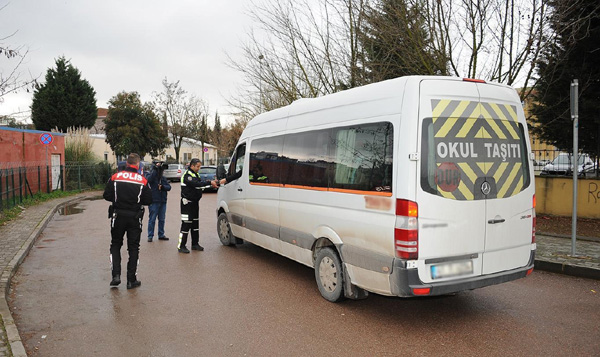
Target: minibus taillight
534	222
406	232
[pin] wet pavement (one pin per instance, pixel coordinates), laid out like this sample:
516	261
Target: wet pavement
164	298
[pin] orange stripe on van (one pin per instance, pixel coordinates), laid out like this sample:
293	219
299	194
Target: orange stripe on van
324	189
340	190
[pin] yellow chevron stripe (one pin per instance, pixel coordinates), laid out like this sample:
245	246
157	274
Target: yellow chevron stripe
448	124
465	191
492	123
509	180
504	120
482	167
518	188
500	171
439	109
483	134
511	111
466	128
467	170
446	194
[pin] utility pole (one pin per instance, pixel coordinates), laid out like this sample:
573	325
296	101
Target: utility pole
575	118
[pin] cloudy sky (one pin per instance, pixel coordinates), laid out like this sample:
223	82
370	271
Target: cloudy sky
130	45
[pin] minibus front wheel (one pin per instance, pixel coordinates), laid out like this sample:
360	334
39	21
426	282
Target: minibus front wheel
329	274
224	231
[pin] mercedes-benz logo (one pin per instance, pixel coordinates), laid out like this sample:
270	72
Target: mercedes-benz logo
486	188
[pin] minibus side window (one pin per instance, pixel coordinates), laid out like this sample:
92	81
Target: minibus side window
363	157
238	160
265	160
306	159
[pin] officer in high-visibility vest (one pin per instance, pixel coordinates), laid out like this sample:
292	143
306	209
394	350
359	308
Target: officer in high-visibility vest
191	193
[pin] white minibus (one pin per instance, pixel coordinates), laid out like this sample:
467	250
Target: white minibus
414	186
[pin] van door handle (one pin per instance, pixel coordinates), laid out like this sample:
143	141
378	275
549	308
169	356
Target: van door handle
496	220
240	189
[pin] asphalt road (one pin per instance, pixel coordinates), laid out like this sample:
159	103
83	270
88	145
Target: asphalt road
248	301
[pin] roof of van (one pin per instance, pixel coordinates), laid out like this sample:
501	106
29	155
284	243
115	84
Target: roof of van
375	92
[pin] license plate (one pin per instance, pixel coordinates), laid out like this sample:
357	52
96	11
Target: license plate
449	270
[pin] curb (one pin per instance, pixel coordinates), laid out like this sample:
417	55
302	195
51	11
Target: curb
12	333
566	269
588	239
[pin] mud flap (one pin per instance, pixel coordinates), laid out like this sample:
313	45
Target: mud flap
352	291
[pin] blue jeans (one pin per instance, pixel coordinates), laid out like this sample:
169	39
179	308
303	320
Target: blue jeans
157	209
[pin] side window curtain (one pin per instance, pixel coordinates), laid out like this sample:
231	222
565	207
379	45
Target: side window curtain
240	155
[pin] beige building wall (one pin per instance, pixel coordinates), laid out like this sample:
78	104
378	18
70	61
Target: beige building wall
102	150
192	149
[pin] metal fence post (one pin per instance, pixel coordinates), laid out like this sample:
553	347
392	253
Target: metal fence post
12	175
20	185
7	191
79	177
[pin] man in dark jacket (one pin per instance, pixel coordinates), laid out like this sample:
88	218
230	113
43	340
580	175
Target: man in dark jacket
159	186
128	191
191	193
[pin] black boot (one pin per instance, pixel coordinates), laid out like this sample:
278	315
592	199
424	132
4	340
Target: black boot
197	247
116	280
133	284
184	250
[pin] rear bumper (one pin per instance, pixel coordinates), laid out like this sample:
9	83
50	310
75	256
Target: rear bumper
403	281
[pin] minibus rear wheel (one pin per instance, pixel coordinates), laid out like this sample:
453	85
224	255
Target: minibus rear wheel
329	274
224	231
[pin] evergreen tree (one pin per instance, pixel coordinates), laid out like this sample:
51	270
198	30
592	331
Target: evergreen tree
396	42
573	55
65	100
134	127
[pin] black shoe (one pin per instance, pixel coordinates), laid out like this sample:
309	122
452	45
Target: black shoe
150	239
197	247
184	250
116	280
133	284
163	238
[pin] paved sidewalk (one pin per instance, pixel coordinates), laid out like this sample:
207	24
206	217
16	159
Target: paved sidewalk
18	236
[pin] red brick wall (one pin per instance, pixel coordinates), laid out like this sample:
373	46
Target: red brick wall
22	150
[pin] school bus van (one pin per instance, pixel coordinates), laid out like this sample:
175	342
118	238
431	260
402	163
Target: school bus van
414	186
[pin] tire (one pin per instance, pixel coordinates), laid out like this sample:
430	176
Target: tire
224	231
329	275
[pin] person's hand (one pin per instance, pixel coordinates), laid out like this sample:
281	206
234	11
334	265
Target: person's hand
160	187
213	183
223	181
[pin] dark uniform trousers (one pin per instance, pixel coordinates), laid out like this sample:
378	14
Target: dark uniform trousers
189	221
131	223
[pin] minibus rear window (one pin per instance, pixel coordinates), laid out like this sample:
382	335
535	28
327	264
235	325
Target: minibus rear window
460	154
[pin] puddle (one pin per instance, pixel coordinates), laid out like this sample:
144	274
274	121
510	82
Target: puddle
68	210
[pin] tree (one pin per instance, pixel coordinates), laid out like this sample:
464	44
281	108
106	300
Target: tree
216	135
64	101
175	112
12	58
397	43
572	55
134	127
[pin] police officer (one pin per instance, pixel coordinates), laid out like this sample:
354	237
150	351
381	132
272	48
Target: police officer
191	193
128	191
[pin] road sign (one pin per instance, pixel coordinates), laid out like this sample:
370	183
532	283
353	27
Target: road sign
205	150
46	138
447	176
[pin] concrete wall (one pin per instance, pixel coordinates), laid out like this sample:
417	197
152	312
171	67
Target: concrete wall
554	195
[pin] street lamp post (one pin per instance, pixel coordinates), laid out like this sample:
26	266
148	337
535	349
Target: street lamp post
260	59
